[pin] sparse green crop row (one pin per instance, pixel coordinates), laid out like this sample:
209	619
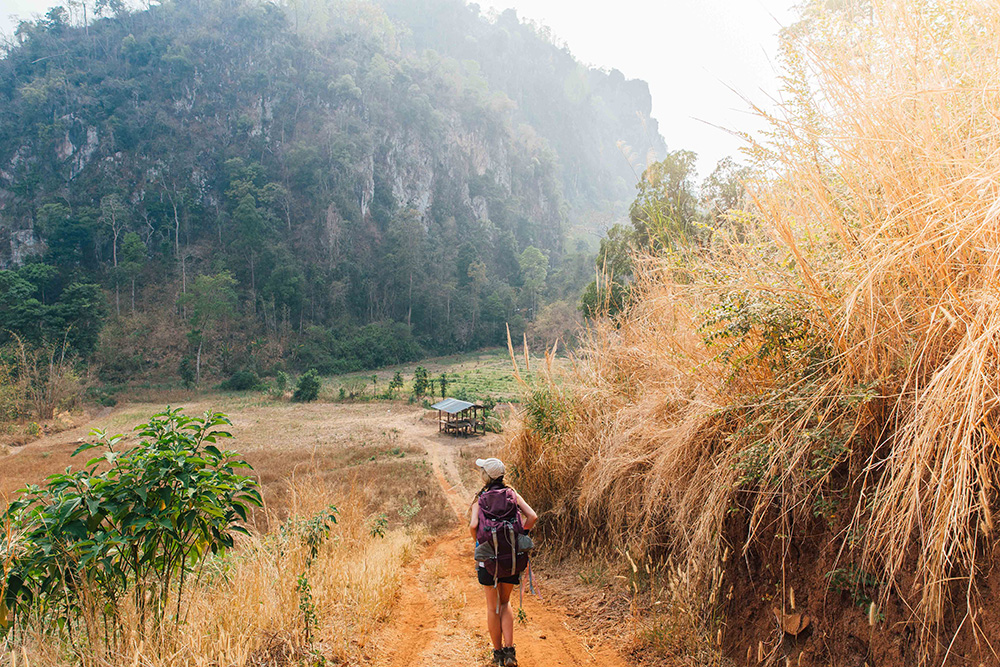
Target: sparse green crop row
476	376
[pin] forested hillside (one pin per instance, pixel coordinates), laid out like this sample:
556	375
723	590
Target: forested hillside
598	122
211	186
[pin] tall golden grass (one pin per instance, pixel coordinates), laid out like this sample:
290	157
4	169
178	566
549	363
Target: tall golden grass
854	330
246	610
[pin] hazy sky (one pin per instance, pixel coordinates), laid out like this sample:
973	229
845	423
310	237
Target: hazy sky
697	55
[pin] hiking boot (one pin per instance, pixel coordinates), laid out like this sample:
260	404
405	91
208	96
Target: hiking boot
499	657
509	660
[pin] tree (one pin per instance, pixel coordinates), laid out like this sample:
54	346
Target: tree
477	279
78	316
74	315
133	259
665	211
396	383
723	193
534	267
114	215
608	294
404	255
251	232
211	302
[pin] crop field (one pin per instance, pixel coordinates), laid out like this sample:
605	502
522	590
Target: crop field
474	376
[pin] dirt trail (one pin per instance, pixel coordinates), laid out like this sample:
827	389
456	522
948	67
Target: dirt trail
441	617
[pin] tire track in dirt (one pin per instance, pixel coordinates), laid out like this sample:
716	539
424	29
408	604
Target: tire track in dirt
441	620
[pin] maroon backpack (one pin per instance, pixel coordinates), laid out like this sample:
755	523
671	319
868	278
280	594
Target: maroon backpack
500	527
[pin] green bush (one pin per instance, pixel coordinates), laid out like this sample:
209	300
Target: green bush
103	396
121	369
353	388
131	528
186	371
420	383
244	380
308	387
395	384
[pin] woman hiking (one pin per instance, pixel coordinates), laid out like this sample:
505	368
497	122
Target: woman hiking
499	522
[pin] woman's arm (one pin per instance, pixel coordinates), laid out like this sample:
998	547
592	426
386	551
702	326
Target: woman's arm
529	514
474	519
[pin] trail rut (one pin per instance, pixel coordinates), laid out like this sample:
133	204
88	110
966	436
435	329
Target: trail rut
441	616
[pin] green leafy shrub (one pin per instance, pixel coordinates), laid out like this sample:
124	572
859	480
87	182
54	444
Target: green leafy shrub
861	586
312	531
133	524
420	383
308	387
186	371
281	381
395	384
243	380
758	327
379	524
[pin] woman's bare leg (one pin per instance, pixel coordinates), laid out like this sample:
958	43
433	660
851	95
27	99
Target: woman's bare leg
506	614
493	621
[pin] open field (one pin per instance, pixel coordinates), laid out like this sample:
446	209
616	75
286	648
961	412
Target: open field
480	375
345	446
381	601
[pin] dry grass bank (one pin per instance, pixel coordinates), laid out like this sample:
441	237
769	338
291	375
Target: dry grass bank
817	390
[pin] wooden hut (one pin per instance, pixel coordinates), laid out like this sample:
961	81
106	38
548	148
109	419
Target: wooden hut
457	417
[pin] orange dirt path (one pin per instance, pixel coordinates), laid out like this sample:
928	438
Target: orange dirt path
441	615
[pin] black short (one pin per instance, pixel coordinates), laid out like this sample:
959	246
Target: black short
486	579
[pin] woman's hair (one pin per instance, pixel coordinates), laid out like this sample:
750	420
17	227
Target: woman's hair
496	483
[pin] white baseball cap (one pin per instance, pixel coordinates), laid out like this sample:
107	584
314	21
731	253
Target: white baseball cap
493	467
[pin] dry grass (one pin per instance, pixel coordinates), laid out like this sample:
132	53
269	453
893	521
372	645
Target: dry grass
852	330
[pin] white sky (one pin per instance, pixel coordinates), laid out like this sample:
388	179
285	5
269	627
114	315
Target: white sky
697	55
